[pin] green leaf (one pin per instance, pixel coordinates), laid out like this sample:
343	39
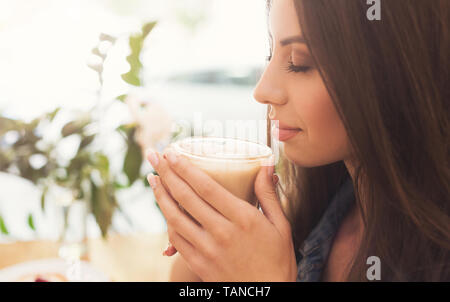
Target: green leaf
133	76
44	193
5	161
147	28
72	128
102	164
77	125
33	124
96	67
118	185
106	37
97	52
52	114
77	163
126	129
103	204
31	222
133	161
122	97
79	192
7	124
136	48
87	140
3	228
145	181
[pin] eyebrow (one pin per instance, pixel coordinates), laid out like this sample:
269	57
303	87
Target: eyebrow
293	39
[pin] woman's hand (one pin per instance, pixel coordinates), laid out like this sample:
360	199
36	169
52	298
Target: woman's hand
234	241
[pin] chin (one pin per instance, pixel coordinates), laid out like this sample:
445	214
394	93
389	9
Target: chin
307	160
292	154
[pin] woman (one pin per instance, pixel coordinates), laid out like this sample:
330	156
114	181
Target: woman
364	116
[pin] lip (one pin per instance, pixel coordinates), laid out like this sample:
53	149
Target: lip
285	132
284	126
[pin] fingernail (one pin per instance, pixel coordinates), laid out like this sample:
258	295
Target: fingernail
165	253
153	158
171	156
275	179
152	180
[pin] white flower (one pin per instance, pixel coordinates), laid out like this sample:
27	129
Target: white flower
154	125
60	195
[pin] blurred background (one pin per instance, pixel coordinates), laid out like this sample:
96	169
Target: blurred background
87	86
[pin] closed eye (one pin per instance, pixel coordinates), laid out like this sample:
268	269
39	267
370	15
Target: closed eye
300	68
291	67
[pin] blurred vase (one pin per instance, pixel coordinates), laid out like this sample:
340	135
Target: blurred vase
73	232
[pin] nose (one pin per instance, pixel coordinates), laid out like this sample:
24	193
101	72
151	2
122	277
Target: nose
269	89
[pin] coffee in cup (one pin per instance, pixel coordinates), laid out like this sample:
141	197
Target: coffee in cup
233	163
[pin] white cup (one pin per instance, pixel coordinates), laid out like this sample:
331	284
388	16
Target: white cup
233	163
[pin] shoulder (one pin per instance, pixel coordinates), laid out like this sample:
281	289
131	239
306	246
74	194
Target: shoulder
315	249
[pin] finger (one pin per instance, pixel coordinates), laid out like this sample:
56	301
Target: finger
267	197
205	186
187	250
176	218
200	210
166	187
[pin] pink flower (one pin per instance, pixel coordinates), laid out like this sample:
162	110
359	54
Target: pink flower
154	125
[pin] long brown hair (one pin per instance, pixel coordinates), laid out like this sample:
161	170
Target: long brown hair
389	81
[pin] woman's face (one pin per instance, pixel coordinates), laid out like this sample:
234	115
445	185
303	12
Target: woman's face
294	89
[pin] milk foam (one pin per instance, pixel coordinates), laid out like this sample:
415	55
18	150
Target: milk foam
222	148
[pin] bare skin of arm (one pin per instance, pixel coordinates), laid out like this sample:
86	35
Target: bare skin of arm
180	272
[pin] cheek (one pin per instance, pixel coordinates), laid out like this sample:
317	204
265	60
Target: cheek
325	139
323	125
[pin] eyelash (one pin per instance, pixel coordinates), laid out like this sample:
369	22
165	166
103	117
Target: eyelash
291	67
